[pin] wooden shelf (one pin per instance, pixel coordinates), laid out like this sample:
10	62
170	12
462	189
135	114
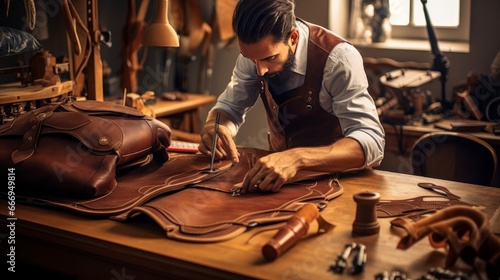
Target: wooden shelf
193	101
16	92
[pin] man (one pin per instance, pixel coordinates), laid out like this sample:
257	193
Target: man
314	89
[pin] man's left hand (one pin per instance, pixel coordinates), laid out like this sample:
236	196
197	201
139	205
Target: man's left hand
270	172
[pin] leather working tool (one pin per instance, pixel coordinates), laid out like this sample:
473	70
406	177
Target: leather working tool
296	227
134	29
214	144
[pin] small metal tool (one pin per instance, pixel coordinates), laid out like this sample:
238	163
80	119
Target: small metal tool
359	260
341	262
355	252
214	145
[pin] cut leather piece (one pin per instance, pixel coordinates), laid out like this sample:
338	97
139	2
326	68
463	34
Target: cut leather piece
464	232
414	208
138	186
209	212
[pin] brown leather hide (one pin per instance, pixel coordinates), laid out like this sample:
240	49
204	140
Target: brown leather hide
207	212
193	205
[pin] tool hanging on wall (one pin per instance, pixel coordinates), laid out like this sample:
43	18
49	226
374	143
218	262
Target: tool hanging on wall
224	10
195	41
81	55
132	37
189	19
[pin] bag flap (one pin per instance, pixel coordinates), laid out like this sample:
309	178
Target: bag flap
96	133
93	107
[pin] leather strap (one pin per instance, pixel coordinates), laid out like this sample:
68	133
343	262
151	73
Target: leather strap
463	231
30	138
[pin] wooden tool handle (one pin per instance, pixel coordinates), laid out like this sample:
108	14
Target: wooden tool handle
296	227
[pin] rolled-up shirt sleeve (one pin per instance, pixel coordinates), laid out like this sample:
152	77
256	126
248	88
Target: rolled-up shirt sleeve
241	92
344	80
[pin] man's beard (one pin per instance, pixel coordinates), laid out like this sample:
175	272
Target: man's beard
282	76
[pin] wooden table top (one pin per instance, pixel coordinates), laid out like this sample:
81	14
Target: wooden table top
193	101
141	243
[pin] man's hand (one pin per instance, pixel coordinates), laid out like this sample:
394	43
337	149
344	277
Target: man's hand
271	172
226	148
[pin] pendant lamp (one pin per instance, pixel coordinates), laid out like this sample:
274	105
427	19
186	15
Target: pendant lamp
160	33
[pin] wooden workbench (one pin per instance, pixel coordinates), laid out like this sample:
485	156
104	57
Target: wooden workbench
82	247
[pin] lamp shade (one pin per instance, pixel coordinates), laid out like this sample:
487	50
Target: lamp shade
160	33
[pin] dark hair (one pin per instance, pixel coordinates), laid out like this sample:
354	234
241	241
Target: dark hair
255	19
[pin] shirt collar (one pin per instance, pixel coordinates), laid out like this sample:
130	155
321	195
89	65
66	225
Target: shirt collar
301	51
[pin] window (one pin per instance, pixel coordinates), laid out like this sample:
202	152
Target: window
450	19
407	26
410	12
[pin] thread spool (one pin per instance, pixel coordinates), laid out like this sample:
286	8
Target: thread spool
366	216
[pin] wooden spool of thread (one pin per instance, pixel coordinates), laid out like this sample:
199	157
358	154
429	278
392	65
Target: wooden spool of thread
366	217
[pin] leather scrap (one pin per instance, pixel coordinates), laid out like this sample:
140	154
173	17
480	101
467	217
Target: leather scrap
414	208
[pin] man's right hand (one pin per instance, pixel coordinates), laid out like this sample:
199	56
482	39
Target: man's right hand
226	148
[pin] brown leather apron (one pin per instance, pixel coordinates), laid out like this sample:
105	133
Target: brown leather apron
296	118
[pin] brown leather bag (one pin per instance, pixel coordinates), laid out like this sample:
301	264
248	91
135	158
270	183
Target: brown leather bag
75	148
